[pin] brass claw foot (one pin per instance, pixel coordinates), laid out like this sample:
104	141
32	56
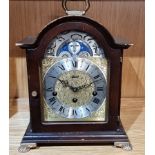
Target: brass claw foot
124	145
25	147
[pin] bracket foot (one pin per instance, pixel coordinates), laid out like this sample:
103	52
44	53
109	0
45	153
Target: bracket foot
25	147
124	145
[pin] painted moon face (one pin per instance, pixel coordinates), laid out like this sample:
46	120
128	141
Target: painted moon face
74	47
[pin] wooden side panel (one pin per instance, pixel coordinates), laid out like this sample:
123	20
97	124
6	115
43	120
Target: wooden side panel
123	19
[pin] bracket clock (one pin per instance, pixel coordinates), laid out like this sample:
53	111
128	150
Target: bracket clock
74	80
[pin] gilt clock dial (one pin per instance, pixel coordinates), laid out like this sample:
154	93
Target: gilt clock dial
74	88
74	79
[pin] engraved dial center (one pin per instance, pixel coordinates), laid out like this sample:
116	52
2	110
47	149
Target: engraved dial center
72	95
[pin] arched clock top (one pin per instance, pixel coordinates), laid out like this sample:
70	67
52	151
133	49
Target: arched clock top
33	42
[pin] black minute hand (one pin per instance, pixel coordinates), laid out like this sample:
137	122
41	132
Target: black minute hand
64	82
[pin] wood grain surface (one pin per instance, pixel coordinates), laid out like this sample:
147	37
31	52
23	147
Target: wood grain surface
123	19
132	115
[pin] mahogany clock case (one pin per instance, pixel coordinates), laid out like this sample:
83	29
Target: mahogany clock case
74	132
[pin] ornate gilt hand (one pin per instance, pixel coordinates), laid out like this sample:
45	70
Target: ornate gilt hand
65	83
86	85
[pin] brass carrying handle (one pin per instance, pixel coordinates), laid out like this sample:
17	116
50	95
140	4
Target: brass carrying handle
75	12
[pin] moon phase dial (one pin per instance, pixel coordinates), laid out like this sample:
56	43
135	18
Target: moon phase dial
73	43
79	88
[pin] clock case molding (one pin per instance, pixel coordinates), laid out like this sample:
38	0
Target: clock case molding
58	133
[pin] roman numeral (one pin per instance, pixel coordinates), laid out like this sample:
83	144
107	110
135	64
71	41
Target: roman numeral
88	109
97	76
62	109
100	89
75	64
96	100
49	89
74	112
87	67
62	67
52	103
52	76
52	99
